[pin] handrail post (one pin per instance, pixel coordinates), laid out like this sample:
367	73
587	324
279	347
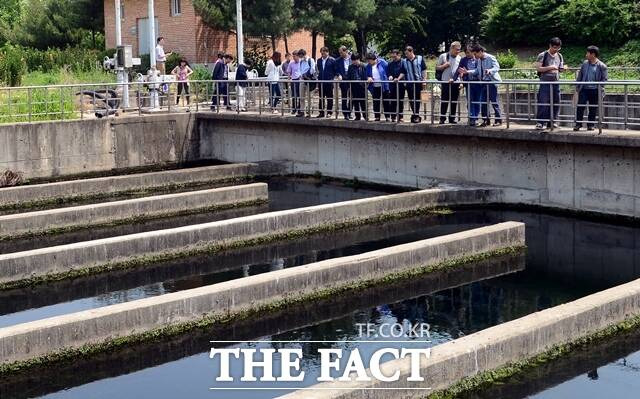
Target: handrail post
626	107
433	103
508	110
169	97
398	116
551	111
600	105
336	98
29	103
61	104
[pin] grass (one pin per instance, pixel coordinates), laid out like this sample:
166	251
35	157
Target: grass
48	103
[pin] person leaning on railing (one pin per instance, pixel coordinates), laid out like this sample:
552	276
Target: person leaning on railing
487	71
357	72
447	66
472	91
273	72
416	69
396	73
592	70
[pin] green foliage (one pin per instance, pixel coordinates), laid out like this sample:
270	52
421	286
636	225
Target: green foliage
527	22
12	66
58	23
595	21
521	22
507	60
219	14
258	57
628	55
201	90
77	59
172	61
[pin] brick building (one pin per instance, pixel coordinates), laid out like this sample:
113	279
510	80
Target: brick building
183	30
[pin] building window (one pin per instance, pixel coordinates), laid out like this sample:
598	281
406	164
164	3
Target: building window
122	9
176	7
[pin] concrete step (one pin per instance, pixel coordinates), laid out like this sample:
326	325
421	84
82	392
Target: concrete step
43	337
21	196
138	208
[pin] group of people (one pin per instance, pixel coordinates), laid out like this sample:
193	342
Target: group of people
403	77
389	82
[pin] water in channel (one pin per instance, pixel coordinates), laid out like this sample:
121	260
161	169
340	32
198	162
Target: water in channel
567	258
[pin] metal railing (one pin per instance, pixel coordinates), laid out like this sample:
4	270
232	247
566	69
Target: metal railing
615	72
612	105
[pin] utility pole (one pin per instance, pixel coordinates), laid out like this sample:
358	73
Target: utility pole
152	75
123	76
240	35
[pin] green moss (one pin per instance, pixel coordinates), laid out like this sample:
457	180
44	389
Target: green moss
134	219
41	203
208	320
500	375
215	248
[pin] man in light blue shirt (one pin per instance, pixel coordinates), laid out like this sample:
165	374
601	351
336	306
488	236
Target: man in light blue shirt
487	70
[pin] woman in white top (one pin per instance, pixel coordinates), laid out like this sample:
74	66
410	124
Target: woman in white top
273	72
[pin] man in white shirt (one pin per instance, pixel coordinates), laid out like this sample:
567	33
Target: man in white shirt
448	65
161	56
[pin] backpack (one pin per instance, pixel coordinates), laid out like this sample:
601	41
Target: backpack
439	73
544	62
309	76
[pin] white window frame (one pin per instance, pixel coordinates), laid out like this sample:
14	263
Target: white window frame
176	8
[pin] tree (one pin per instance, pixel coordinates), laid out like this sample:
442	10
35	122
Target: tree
89	15
315	16
218	14
521	22
596	21
271	19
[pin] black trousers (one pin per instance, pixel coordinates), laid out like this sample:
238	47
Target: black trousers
396	99
591	97
183	89
325	97
344	93
380	100
222	90
295	96
413	92
449	94
358	102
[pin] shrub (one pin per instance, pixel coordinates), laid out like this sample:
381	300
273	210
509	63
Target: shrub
507	60
12	66
596	21
259	58
520	22
628	55
172	61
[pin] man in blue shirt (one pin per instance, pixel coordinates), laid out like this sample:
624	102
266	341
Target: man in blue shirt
326	66
592	70
472	90
308	76
488	72
415	68
378	85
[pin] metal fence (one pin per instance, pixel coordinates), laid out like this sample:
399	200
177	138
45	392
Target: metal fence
611	105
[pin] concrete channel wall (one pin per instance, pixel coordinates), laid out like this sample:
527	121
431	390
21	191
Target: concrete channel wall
497	346
38	338
54	260
579	171
116	184
49	149
107	212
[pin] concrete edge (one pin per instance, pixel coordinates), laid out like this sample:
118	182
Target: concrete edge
26	194
94	254
106	212
495	347
38	338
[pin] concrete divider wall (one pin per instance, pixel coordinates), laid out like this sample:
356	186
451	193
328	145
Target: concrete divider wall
115	184
64	258
48	149
578	171
93	214
41	337
494	347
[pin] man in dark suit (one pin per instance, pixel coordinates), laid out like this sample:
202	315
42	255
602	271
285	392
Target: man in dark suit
358	73
221	73
342	68
326	71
